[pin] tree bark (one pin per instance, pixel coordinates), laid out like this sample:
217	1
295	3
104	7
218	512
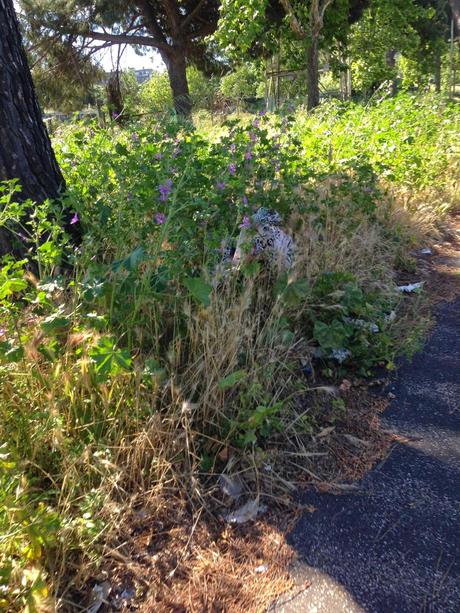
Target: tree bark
391	63
25	147
176	65
312	73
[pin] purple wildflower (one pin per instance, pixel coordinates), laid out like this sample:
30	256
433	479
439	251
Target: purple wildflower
160	218
232	169
158	156
277	167
256	123
262	112
176	152
253	137
232	148
2	332
245	200
74	219
248	155
220	185
246	222
165	189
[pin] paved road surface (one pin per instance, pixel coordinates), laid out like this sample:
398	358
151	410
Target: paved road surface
395	546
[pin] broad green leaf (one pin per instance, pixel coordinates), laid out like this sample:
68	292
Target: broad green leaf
131	261
108	359
296	292
11	352
330	336
199	289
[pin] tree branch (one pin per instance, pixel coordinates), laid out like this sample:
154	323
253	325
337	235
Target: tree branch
293	21
173	16
192	14
209	28
129	39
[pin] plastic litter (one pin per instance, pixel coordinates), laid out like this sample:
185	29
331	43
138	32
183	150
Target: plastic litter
412	287
99	595
426	251
231	486
261	569
340	354
389	317
248	511
363	325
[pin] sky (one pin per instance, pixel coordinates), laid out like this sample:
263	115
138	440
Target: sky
129	59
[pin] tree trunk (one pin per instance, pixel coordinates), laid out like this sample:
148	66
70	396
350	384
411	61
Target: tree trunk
25	147
437	71
177	72
391	63
312	73
114	96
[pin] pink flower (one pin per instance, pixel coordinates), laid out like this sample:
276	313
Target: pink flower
246	222
160	218
74	219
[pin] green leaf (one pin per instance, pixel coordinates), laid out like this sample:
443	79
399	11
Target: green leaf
251	269
199	289
296	292
330	336
131	261
55	323
153	369
12	286
11	352
109	360
231	380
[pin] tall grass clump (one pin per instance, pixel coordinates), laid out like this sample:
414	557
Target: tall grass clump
154	368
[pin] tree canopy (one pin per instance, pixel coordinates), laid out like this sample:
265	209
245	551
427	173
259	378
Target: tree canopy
175	28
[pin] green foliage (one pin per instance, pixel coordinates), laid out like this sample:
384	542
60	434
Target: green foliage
108	372
155	94
108	359
243	82
240	23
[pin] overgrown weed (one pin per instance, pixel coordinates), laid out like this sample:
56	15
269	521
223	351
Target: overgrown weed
140	380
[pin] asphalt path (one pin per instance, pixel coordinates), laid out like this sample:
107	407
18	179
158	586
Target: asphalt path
394	546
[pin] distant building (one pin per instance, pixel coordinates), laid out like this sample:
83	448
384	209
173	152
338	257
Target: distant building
143	74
